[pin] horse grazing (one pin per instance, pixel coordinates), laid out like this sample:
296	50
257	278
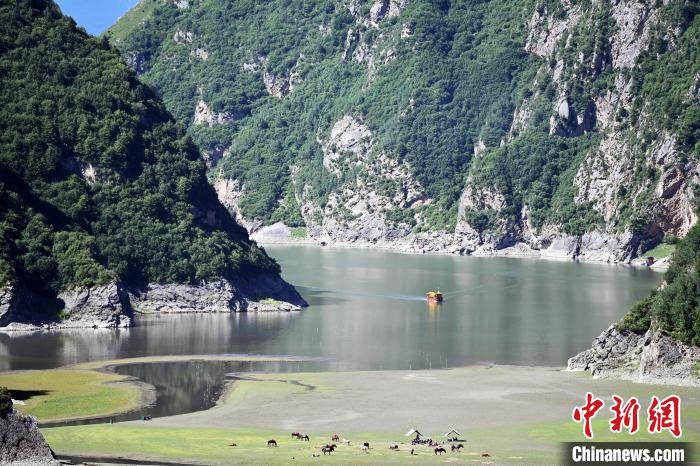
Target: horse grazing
296	435
485	455
335	438
272	443
440	451
394	447
304	437
457	447
346	442
327	449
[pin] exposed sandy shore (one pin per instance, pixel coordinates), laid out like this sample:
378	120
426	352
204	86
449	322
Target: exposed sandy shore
435	401
103	363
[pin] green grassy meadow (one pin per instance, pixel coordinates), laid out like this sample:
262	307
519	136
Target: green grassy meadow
70	394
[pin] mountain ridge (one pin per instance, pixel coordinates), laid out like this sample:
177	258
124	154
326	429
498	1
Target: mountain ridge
550	128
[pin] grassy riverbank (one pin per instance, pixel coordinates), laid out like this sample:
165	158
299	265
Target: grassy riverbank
515	414
211	445
531	443
62	394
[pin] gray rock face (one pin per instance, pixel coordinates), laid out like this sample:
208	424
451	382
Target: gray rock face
99	306
378	10
649	358
204	115
7	298
255	293
136	61
22	443
373	186
111	305
104	306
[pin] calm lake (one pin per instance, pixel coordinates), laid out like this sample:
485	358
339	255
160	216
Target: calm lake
367	312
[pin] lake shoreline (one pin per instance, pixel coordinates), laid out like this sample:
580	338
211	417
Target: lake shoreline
515	414
147	392
513	252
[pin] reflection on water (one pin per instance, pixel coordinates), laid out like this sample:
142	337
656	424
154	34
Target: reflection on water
368	312
186	386
433	309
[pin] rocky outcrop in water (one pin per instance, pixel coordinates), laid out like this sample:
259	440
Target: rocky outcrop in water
22	444
650	358
258	293
104	306
113	305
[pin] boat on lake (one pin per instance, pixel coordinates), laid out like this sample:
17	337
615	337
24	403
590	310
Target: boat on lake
434	296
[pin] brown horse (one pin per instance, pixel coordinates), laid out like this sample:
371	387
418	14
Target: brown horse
296	435
335	438
272	443
440	450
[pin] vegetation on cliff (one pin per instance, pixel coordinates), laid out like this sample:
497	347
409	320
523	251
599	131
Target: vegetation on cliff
675	307
97	180
456	89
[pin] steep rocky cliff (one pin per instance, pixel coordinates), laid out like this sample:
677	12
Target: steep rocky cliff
561	129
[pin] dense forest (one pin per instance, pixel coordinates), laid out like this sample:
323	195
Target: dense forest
97	181
442	85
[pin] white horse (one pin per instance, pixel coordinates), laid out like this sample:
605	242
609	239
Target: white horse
364	448
346	442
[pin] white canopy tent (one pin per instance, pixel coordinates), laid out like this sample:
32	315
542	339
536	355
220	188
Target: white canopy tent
413	432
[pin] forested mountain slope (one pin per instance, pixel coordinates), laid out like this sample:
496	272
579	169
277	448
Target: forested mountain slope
566	128
102	194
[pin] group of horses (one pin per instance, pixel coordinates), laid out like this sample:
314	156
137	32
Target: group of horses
326	449
330	447
454	448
